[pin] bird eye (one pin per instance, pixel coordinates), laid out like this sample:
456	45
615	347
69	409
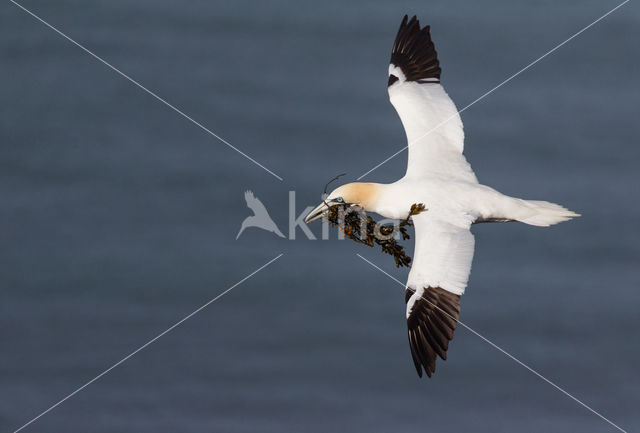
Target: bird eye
339	200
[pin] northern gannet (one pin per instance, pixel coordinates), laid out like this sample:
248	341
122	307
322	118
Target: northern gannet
439	176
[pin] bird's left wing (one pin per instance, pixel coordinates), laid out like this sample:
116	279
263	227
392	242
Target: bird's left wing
429	116
438	276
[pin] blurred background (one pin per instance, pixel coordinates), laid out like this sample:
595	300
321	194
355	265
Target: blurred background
118	218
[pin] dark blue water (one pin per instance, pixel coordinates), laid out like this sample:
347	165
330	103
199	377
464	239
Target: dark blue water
119	217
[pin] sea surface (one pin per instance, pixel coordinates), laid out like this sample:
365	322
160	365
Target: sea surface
119	216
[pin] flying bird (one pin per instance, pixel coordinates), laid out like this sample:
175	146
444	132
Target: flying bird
260	217
439	176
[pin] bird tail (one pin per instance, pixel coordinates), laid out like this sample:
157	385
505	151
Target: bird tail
543	213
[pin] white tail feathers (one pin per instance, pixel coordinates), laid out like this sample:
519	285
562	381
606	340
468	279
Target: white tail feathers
544	213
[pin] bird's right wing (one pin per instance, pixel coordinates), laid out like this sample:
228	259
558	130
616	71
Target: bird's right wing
438	276
429	116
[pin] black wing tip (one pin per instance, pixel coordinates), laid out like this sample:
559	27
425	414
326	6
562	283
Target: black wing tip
433	319
414	52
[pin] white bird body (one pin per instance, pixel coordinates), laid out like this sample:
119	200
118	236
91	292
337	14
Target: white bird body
438	176
394	200
452	196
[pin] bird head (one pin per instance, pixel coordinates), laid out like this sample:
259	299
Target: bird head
354	194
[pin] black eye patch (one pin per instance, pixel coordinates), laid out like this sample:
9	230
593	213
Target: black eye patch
392	79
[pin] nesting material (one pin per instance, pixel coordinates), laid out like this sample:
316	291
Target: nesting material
361	228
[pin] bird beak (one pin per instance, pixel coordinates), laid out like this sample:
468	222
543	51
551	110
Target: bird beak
316	213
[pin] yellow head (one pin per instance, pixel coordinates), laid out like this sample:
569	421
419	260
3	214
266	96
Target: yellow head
361	194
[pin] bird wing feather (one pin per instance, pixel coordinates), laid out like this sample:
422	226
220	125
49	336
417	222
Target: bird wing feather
438	277
430	118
